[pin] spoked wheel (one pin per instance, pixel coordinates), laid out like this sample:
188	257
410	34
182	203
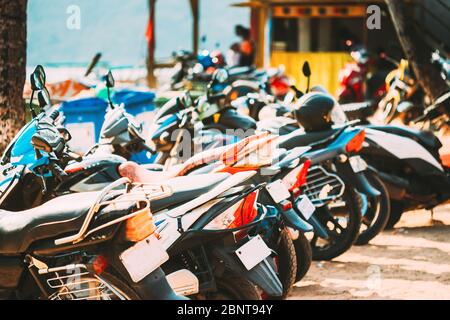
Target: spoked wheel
232	286
378	211
342	219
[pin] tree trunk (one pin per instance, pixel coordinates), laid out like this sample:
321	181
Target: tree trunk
13	42
416	50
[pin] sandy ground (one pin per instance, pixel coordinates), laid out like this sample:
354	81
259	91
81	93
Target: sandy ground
410	262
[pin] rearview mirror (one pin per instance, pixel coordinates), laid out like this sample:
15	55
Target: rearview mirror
65	133
307	73
40	143
110	82
306	69
38	78
220	76
44	98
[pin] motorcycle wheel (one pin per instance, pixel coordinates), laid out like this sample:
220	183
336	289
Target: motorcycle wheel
396	214
233	286
304	256
286	262
378	212
342	224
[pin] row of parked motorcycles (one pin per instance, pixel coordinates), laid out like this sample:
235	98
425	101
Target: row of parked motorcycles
240	193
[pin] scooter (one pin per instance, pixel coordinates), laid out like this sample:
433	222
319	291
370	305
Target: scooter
409	163
99	262
51	140
376	203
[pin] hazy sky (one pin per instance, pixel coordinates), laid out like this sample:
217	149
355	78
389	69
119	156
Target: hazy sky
117	29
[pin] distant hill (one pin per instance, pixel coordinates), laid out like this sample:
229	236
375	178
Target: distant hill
117	27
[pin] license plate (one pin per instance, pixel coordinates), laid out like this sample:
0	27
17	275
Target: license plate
278	191
357	164
143	258
253	252
306	207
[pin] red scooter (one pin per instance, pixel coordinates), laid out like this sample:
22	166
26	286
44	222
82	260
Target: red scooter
356	83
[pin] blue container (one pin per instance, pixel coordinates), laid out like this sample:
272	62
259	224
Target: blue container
140	104
84	119
136	102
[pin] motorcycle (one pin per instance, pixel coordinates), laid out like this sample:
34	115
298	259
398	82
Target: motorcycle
56	156
409	163
375	204
96	264
357	83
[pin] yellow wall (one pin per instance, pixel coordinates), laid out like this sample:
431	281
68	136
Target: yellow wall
325	67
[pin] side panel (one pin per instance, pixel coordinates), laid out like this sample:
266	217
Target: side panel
401	147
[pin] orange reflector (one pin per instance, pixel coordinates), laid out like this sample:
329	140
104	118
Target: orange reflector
140	226
100	264
446	160
356	144
286	205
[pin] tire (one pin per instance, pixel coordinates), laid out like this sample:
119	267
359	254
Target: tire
233	286
304	256
377	215
396	214
286	262
343	240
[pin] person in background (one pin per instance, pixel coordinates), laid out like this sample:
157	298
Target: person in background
233	55
247	46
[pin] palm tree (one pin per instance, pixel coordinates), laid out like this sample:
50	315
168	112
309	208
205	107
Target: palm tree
13	42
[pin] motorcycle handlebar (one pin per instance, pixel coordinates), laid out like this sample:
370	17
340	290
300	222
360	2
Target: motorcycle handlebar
54	115
58	171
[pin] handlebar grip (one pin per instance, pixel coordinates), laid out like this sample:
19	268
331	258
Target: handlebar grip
58	171
54	115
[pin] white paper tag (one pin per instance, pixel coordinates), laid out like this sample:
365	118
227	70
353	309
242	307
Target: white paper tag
278	191
357	164
143	258
253	252
306	207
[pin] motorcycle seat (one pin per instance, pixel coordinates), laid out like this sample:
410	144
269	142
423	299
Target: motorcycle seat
347	107
187	188
299	138
18	230
358	110
426	138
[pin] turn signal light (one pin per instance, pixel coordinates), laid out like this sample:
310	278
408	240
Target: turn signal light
140	226
356	144
247	212
286	205
74	168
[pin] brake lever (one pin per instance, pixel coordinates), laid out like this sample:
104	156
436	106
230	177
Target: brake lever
74	156
58	171
44	184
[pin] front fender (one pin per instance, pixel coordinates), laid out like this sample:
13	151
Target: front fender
263	274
